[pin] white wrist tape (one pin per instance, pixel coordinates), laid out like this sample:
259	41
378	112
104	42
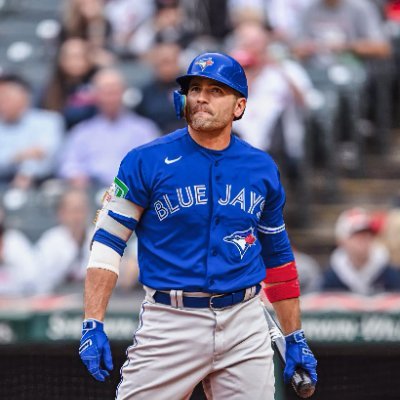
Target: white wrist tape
102	256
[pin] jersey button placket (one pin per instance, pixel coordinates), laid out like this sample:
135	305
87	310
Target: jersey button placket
216	220
217	179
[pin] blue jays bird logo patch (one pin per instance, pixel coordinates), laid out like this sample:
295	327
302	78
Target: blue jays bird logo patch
204	63
242	240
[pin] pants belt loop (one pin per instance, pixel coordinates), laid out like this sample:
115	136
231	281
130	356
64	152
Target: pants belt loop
172	295
176	297
179	298
249	293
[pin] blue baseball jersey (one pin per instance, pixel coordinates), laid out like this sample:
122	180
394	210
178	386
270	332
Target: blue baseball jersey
212	220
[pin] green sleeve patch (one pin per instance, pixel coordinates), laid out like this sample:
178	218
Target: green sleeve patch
121	190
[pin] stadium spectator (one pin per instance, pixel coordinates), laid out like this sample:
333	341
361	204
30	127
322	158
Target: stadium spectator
276	96
165	25
360	264
18	271
206	18
95	147
335	39
283	17
241	11
62	251
86	19
29	138
69	89
126	17
330	29
157	101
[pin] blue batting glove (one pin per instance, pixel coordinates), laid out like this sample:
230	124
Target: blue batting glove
94	349
298	354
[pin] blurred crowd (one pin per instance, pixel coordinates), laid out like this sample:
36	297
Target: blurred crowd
323	90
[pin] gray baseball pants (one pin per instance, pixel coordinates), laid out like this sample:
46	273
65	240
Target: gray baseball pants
174	349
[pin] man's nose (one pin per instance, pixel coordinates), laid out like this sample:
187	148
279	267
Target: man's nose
202	97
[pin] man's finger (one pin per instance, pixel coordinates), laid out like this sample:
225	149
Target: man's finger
107	357
99	374
288	372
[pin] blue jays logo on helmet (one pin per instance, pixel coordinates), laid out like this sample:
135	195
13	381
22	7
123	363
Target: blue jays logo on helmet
242	240
204	63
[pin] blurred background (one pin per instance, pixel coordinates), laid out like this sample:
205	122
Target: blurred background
84	81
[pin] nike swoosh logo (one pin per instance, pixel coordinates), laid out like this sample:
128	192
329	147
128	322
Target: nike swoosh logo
167	161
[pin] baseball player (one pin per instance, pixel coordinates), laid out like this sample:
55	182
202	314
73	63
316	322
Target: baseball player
207	211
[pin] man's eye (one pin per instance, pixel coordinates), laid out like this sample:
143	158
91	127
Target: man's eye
194	89
216	90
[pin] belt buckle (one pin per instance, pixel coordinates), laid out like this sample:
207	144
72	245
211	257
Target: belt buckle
210	303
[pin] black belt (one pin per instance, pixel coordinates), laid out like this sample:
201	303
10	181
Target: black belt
215	301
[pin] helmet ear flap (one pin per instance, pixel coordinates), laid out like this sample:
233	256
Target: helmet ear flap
179	103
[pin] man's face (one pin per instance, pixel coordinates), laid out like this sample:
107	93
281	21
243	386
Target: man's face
74	210
14	100
211	105
109	90
359	244
166	62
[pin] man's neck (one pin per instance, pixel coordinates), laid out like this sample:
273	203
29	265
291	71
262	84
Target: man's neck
15	120
332	4
112	116
213	140
358	262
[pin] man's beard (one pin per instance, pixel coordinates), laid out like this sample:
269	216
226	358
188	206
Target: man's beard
204	123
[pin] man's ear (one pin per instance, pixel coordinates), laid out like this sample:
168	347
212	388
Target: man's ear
239	108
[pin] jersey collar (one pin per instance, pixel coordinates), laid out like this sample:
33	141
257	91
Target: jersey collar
211	152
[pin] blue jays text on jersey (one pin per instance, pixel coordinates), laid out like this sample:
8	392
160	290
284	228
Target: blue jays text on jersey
197	195
212	220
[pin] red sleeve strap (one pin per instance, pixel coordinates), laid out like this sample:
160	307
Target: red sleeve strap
282	282
283	291
282	273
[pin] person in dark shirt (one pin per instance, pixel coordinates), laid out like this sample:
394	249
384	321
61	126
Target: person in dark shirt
69	89
157	101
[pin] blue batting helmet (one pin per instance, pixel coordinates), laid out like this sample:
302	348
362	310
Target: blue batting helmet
219	67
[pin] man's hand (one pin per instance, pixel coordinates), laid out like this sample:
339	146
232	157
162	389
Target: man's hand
298	354
94	349
31	153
